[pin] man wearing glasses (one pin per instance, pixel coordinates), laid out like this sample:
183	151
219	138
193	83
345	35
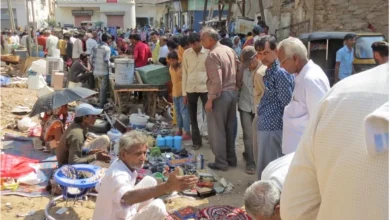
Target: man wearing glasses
121	198
311	84
279	85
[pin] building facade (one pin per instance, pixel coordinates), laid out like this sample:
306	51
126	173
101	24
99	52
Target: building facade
122	13
25	11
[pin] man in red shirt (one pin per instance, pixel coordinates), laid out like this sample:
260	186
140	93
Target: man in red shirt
42	40
142	51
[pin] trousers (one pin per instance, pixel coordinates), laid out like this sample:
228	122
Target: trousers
221	128
270	148
196	114
102	83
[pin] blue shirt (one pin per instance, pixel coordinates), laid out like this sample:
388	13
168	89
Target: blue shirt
345	57
279	85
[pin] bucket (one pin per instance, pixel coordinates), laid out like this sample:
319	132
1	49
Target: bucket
177	142
169	141
35	80
138	120
114	135
160	141
124	71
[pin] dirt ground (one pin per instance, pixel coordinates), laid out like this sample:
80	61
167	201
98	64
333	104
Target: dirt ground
11	97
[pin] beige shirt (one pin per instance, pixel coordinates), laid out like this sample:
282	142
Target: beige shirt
221	66
194	74
258	92
332	175
77	49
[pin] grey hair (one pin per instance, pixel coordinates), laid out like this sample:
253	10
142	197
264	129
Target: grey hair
211	32
261	198
131	139
293	46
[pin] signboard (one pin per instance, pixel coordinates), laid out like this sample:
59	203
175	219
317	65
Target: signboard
82	12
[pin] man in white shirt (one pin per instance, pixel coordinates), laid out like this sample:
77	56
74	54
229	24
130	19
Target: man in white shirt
77	47
51	43
163	48
121	198
262	198
341	167
194	79
91	42
15	38
311	84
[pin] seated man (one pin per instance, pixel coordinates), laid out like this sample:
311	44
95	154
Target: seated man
70	148
262	198
79	72
121	198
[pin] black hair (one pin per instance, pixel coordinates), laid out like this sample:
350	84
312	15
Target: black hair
249	34
193	38
222	34
172	44
154	33
256	31
381	47
78	119
260	43
258	17
183	41
67	37
178	30
104	37
136	37
226	42
113	38
349	37
83	56
173	55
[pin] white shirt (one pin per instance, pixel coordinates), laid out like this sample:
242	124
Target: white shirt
14	39
23	41
117	181
91	43
311	84
332	176
277	170
194	75
163	52
72	39
77	49
51	44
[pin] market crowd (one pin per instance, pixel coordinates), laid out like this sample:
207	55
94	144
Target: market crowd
294	126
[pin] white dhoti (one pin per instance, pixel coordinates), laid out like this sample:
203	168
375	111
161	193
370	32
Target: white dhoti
151	209
202	121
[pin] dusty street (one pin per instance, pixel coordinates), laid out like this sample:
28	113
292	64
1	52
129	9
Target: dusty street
11	97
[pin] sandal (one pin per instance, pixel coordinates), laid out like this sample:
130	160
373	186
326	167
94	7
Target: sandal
250	170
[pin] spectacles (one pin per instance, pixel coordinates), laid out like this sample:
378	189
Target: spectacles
284	60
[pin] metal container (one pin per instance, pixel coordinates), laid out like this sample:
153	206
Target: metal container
199	162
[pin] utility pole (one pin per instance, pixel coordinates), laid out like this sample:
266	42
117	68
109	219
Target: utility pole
204	12
11	16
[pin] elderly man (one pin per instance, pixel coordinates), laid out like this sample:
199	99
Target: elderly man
262	198
251	88
121	198
381	52
51	43
344	59
91	42
194	79
221	67
341	168
73	149
279	85
311	84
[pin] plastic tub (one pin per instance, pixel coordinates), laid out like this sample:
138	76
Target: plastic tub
169	141
124	71
138	120
114	135
177	140
160	141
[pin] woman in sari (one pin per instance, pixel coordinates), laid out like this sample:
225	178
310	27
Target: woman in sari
53	126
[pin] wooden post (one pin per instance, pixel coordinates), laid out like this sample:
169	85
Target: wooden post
204	12
243	8
229	15
11	16
261	10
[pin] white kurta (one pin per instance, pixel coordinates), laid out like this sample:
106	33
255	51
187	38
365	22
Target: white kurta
117	181
332	176
277	170
311	84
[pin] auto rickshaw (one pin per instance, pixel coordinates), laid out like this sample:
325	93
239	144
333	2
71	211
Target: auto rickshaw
322	48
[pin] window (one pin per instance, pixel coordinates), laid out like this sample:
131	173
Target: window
363	48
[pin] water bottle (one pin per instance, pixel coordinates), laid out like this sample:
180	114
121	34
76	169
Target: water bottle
199	162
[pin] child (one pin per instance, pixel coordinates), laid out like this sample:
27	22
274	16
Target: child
182	116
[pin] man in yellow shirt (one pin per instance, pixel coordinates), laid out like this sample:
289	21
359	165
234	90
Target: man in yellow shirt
155	48
62	46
